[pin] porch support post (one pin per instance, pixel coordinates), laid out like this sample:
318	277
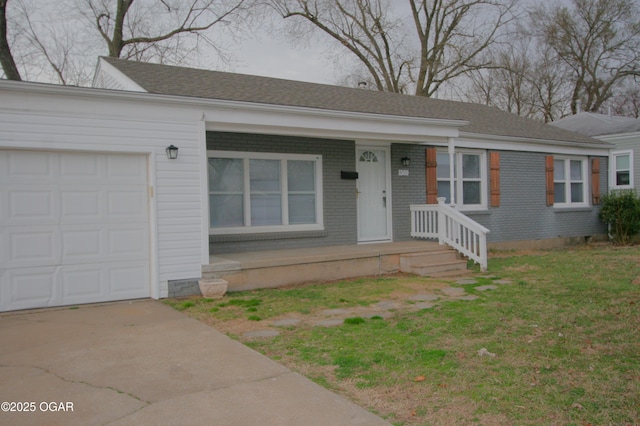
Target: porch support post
452	184
442	221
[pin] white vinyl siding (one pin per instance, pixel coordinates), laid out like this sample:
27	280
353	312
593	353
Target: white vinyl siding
259	192
99	124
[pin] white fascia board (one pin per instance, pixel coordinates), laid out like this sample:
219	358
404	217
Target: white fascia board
506	143
275	119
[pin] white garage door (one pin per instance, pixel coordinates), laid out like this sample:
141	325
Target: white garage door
74	228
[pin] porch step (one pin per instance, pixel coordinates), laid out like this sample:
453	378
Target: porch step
434	263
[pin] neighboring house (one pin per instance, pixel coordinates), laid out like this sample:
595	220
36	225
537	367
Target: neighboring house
623	133
92	209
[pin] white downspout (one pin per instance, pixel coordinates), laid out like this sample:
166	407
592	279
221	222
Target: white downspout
452	174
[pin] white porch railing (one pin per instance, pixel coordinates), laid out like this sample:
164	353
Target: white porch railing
450	227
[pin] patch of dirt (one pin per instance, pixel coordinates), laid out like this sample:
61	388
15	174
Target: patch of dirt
237	326
523	268
240	326
410	288
410	403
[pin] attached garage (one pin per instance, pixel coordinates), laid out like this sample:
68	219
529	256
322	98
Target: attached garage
74	228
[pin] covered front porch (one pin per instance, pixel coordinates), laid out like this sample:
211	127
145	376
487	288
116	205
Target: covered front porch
275	268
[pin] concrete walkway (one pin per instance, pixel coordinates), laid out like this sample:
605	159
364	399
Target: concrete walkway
144	363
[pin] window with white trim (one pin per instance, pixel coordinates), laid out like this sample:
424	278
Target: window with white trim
621	169
261	192
570	183
470	178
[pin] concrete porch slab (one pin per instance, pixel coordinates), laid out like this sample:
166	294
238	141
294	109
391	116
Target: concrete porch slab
271	258
276	268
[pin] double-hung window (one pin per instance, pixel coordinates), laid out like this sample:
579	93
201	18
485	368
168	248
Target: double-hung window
570	182
621	169
260	192
469	179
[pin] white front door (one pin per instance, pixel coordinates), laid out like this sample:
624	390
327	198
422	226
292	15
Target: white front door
374	203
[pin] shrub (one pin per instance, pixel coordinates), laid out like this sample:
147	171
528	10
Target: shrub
621	211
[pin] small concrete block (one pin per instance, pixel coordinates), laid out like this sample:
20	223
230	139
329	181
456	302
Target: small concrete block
424	297
213	289
287	322
385	304
423	305
331	312
329	323
470	297
180	288
261	334
453	291
503	282
486	287
466	281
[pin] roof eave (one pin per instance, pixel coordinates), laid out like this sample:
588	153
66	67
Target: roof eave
615	136
542	145
223	113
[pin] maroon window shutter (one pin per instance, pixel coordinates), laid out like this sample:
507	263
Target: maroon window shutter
549	168
432	177
494	165
595	181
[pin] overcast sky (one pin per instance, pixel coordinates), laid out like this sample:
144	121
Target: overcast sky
270	57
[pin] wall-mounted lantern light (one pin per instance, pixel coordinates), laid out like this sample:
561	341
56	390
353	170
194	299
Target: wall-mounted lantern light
172	152
406	161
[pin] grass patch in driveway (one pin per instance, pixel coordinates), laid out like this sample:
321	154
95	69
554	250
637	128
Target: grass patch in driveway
564	333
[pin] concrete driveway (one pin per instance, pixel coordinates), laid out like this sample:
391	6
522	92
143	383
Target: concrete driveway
142	362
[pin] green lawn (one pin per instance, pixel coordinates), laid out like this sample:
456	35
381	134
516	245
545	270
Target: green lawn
564	334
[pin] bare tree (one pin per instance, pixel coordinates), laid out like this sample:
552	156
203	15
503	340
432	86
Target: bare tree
59	41
524	80
627	101
507	84
50	45
453	35
551	83
439	41
598	40
141	29
365	28
6	58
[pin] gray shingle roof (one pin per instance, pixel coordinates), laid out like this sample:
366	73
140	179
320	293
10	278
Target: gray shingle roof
198	83
592	124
